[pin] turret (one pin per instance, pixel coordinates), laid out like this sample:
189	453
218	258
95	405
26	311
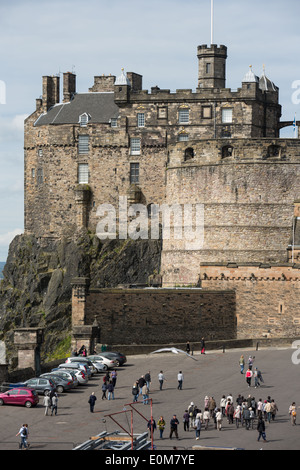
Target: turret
212	66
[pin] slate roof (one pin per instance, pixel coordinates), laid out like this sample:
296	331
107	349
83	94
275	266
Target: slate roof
100	107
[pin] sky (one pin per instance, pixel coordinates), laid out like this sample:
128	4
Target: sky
157	39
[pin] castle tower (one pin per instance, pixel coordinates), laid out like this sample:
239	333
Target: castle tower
212	66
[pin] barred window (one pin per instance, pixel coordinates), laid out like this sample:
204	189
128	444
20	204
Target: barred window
141	120
183	137
135	146
134	173
83	173
184	116
83	144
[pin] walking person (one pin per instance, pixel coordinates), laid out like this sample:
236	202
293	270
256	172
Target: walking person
186	421
145	393
161	379
242	364
206	417
188	348
23	433
219	419
113	377
54	401
92	401
135	392
47	403
192	413
180	380
198	425
161	424
202	346
261	428
238	416
151	425
249	374
104	390
174	427
148	379
111	391
293	413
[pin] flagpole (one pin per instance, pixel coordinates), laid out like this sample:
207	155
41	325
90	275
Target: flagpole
212	22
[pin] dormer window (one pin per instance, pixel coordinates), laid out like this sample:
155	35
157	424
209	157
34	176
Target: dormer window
84	119
114	122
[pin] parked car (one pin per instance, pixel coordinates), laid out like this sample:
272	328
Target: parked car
80	375
19	396
62	384
76	365
99	366
82	360
117	356
67	374
39	384
106	361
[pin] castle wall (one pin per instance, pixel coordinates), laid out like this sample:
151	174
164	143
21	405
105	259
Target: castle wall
154	316
248	201
267	297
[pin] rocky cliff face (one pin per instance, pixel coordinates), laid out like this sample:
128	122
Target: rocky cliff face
36	290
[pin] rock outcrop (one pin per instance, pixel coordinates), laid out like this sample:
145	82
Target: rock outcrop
36	290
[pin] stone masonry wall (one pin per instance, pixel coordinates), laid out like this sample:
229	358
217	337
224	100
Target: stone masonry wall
248	200
267	297
154	316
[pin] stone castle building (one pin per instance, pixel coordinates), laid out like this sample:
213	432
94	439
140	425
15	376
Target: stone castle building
213	146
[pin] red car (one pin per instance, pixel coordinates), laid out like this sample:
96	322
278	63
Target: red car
19	396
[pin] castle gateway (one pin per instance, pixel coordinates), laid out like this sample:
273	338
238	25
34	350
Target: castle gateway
213	147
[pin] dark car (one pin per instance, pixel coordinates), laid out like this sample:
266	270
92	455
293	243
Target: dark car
116	356
61	383
19	396
40	384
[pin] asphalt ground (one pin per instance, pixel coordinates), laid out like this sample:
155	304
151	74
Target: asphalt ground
213	374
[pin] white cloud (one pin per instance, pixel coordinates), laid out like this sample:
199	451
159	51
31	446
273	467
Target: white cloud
6	238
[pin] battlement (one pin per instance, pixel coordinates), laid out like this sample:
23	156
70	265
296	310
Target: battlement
232	151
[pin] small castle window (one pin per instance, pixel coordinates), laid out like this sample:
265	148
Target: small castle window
134	173
114	122
183	137
141	120
135	146
227	151
83	120
227	115
184	116
273	151
83	144
83	173
189	154
208	68
40	152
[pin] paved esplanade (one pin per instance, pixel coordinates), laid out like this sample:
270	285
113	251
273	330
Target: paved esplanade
214	374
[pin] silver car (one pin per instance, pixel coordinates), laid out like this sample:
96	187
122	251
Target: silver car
66	374
82	360
80	375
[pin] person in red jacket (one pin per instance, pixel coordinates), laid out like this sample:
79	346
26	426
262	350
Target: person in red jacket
249	374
